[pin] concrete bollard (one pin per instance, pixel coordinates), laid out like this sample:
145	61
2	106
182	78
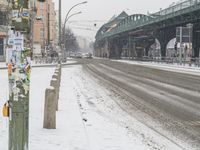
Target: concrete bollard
58	80
55	75
59	69
54	83
58	72
49	109
59	76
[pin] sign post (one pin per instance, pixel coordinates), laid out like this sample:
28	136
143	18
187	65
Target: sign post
19	80
19	68
183	35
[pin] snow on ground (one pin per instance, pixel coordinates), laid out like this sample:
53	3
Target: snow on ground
164	66
71	133
34	64
88	116
3	99
2	64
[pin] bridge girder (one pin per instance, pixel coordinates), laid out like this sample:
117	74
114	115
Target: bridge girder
163	28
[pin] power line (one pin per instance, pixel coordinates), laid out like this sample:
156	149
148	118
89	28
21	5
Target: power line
102	21
80	28
85	25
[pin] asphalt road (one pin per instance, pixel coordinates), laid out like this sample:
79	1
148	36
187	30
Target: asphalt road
166	102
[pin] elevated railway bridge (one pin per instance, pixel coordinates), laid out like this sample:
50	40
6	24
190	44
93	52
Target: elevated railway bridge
138	32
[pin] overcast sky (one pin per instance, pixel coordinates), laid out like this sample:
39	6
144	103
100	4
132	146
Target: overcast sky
100	11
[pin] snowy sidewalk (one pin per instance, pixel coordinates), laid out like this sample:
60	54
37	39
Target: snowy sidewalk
84	128
164	66
2	65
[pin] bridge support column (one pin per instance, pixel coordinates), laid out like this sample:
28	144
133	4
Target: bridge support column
164	36
105	49
111	49
196	40
115	49
131	48
148	44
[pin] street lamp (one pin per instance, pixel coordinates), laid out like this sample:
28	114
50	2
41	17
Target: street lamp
62	42
68	17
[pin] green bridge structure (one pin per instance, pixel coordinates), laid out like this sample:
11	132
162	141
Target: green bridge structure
138	32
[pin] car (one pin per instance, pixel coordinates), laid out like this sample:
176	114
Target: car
88	55
78	55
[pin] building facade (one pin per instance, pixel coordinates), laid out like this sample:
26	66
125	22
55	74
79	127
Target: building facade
52	23
44	27
3	28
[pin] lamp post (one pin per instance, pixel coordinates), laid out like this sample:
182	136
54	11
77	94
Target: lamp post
59	43
69	18
66	19
62	42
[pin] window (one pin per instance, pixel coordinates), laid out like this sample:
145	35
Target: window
2	18
1	47
41	5
41	33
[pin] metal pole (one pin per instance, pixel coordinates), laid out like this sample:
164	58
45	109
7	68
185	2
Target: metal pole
48	25
63	29
66	18
60	23
181	46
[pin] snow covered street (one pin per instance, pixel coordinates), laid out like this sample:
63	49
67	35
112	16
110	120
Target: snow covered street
88	118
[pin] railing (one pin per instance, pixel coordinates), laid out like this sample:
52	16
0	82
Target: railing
130	23
193	62
46	60
177	7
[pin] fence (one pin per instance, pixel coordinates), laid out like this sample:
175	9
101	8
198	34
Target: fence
192	62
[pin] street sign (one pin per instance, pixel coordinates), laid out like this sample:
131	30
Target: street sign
186	34
11	41
17	14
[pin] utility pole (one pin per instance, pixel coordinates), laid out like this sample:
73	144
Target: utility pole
181	45
48	25
19	69
19	77
60	27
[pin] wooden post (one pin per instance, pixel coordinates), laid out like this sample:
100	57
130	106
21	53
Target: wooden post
55	75
59	75
49	109
54	83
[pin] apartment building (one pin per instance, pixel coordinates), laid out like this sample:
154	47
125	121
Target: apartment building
44	27
52	24
3	28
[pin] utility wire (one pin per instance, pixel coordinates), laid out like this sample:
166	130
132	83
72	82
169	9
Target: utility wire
81	28
102	21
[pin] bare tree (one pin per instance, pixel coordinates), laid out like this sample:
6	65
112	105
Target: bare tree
70	41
